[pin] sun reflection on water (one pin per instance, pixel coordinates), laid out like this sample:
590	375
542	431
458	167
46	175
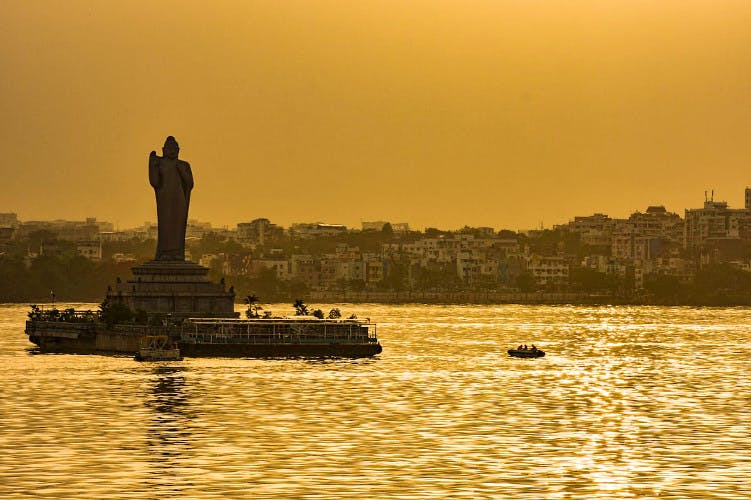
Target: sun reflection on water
628	403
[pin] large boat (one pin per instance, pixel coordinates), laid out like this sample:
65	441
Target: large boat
213	337
273	337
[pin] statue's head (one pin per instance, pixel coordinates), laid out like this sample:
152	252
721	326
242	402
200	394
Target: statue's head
170	148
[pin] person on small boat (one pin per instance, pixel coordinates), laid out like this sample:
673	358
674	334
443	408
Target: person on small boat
520	348
525	347
534	349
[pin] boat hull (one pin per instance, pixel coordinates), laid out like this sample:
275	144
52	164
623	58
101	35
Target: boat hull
526	354
282	350
97	338
158	355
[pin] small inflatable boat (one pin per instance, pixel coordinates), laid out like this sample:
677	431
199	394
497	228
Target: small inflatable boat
526	353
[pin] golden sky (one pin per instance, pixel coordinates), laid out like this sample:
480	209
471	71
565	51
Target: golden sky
438	113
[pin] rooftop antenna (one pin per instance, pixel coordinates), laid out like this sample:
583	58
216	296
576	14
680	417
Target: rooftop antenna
712	195
705	196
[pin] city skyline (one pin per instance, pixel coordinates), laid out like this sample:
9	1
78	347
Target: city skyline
709	195
436	113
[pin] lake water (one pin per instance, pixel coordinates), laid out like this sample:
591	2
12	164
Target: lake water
630	402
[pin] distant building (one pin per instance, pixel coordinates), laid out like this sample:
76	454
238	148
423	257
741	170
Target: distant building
351	270
683	269
208	259
506	247
346	252
120	235
468	265
547	270
197	229
102	225
593	229
715	222
329	273
627	244
397	227
637	237
657	222
8	219
308	230
280	266
374	226
87	230
604	264
304	268
92	250
258	231
374	271
121	258
480	232
232	264
48	249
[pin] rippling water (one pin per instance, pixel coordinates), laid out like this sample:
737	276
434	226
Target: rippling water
630	402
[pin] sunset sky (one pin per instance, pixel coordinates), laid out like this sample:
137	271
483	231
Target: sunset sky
437	113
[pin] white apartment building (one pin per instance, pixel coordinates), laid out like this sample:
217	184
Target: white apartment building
546	270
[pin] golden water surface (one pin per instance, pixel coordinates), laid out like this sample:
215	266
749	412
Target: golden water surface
630	402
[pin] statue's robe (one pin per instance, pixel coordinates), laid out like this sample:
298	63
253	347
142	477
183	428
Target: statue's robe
172	181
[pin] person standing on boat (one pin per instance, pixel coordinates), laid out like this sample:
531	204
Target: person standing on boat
172	181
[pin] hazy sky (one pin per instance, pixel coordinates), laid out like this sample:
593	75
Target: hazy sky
438	113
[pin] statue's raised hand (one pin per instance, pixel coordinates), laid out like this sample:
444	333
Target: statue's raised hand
155	177
153	159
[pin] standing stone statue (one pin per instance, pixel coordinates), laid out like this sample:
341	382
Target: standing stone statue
172	181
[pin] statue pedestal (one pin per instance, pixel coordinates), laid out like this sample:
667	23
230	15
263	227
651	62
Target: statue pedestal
179	288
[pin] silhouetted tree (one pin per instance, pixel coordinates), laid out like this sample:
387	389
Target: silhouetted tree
300	308
114	312
252	302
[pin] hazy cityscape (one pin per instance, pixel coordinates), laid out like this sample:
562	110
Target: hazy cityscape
375	249
702	256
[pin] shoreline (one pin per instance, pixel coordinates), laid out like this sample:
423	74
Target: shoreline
464	298
474	298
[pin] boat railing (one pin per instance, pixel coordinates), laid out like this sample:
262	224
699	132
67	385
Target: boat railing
145	329
52	314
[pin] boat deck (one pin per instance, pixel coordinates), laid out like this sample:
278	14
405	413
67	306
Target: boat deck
277	331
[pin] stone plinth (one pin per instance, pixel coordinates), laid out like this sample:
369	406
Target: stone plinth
179	288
